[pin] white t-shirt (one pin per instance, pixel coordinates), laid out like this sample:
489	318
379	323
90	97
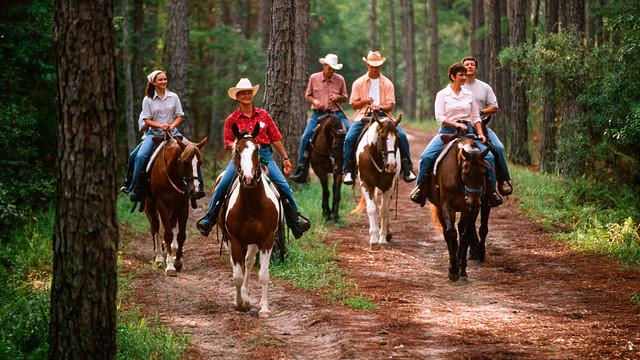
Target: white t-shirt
374	91
482	93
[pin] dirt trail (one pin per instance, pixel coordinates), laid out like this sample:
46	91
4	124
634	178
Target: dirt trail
532	299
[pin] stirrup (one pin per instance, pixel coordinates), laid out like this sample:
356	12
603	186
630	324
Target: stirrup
416	195
494	199
348	178
204	226
125	190
505	191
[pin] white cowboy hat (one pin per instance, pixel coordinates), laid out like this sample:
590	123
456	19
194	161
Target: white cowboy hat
332	61
374	58
243	84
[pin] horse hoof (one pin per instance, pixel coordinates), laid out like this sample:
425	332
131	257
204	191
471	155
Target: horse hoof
159	261
335	223
171	272
454	277
474	262
374	246
389	237
178	265
264	313
463	279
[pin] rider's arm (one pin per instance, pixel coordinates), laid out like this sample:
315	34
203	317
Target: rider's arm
283	154
491	109
177	121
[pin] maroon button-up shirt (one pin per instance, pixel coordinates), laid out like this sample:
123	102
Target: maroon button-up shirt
268	130
320	88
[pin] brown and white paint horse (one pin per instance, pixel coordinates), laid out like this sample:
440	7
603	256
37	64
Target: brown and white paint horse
378	159
251	220
173	178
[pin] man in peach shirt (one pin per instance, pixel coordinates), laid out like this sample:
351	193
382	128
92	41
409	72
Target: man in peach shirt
375	92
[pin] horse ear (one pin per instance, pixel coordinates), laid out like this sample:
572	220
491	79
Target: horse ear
256	129
236	131
181	144
202	143
465	154
374	116
397	121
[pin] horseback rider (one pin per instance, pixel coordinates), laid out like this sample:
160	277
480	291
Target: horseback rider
375	92
325	91
455	111
245	117
162	112
488	104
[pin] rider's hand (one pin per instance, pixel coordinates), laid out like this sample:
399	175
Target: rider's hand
461	126
482	138
374	107
333	97
287	166
165	127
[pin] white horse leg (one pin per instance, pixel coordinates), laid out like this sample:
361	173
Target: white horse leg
158	246
249	260
385	226
373	220
171	257
237	281
264	281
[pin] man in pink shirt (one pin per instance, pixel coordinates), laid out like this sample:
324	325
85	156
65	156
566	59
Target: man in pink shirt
325	91
375	92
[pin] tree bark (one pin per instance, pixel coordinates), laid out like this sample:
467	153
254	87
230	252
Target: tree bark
245	18
477	41
265	22
132	123
502	126
494	45
549	125
178	60
83	289
519	150
434	71
409	54
394	43
373	32
287	61
138	51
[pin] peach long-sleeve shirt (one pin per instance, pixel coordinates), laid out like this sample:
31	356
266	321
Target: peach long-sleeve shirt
360	91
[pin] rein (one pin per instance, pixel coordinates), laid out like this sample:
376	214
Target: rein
166	172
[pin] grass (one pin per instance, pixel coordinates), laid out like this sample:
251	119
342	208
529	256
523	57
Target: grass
136	221
311	260
597	218
427	125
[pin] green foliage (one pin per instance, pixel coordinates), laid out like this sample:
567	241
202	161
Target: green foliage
635	297
141	337
136	221
598	218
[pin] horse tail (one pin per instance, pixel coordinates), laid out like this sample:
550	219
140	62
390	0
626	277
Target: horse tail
435	215
361	205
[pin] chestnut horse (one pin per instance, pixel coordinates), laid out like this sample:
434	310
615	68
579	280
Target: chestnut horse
251	220
459	185
378	159
172	178
325	158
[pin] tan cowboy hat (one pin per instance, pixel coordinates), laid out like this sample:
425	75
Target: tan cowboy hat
374	58
332	61
243	84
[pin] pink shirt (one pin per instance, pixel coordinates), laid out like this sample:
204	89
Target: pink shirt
360	91
462	107
320	88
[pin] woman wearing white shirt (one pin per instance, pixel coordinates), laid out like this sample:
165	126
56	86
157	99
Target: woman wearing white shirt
455	110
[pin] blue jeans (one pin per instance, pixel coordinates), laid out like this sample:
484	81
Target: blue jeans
434	147
140	156
499	153
311	125
275	175
352	137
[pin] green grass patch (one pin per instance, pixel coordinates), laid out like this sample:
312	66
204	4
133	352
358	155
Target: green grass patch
428	125
311	260
135	221
598	218
635	297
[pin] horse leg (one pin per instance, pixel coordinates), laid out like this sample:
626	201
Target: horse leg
474	243
467	224
373	218
249	260
182	236
265	255
484	230
154	222
324	181
170	241
447	220
385	224
237	263
335	208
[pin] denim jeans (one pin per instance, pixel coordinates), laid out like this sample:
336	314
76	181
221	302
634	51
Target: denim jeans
311	125
499	154
275	175
430	153
352	137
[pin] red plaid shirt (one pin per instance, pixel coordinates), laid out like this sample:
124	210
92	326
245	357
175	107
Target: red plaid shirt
268	130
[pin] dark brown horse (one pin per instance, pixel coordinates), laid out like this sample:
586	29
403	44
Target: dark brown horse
172	179
251	220
378	158
326	158
459	185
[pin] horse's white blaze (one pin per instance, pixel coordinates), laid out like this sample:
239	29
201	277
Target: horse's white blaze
391	157
264	281
194	166
246	162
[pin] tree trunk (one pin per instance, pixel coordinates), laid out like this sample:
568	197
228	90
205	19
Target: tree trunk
574	15
477	40
434	71
519	150
245	18
373	32
132	123
494	45
265	22
137	54
287	61
535	19
502	126
549	126
178	60
83	289
409	55
394	43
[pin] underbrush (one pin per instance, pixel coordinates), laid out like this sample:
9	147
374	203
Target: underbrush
429	125
597	218
311	260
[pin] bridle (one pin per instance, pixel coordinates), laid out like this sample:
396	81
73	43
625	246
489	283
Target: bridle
257	171
384	151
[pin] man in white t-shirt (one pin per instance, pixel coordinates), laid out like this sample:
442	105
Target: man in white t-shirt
488	104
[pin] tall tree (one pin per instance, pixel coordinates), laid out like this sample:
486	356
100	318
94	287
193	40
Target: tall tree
503	124
394	43
519	150
549	125
138	51
494	45
178	59
83	290
434	68
285	86
407	26
373	31
132	141
265	22
477	39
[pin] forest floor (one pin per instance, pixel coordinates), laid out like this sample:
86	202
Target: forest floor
533	298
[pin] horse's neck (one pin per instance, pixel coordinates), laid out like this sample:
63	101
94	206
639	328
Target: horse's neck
249	196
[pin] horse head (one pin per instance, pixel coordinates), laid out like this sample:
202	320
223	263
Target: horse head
387	143
472	171
189	163
246	156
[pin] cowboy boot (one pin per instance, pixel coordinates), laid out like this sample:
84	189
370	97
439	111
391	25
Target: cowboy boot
296	221
494	199
416	195
302	171
207	222
505	188
408	174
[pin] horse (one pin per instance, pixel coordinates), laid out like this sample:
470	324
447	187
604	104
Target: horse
326	157
251	220
172	187
459	185
378	161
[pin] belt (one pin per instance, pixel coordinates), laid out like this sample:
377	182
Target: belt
327	111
